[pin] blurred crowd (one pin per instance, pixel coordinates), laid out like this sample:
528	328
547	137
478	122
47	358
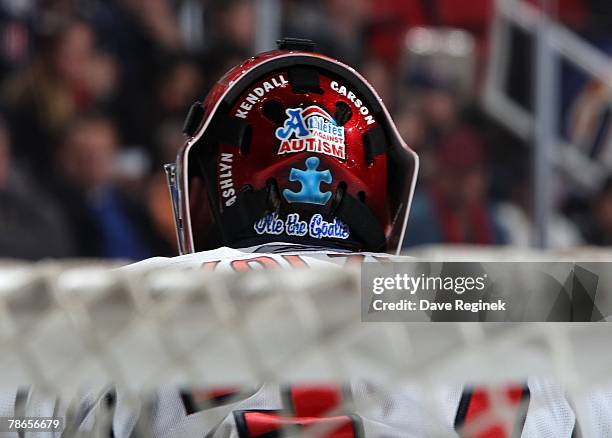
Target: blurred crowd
93	94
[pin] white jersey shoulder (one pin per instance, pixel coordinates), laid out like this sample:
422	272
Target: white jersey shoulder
270	255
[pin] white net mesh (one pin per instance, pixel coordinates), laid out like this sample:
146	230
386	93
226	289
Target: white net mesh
64	328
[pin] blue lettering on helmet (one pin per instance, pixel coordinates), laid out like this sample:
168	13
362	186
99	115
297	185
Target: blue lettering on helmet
317	227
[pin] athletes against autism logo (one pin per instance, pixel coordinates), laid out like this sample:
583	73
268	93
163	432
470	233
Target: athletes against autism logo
311	129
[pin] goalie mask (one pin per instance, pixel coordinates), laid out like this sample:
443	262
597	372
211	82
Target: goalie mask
292	146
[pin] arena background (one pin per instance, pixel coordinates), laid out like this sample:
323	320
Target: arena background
508	108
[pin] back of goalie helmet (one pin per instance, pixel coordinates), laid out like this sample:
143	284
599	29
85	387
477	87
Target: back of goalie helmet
292	146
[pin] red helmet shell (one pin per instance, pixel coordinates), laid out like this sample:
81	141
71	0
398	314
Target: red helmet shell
261	94
268	159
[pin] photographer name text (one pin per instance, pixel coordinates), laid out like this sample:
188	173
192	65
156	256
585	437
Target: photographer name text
390	294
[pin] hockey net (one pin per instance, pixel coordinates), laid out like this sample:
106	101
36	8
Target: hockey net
66	326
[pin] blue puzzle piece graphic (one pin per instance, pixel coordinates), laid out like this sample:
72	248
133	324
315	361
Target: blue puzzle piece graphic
311	180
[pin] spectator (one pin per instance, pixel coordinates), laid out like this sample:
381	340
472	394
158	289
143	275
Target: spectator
429	104
32	226
338	26
66	77
177	85
453	208
232	24
158	19
516	218
441	109
411	126
230	37
599	230
348	20
107	223
379	76
16	27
